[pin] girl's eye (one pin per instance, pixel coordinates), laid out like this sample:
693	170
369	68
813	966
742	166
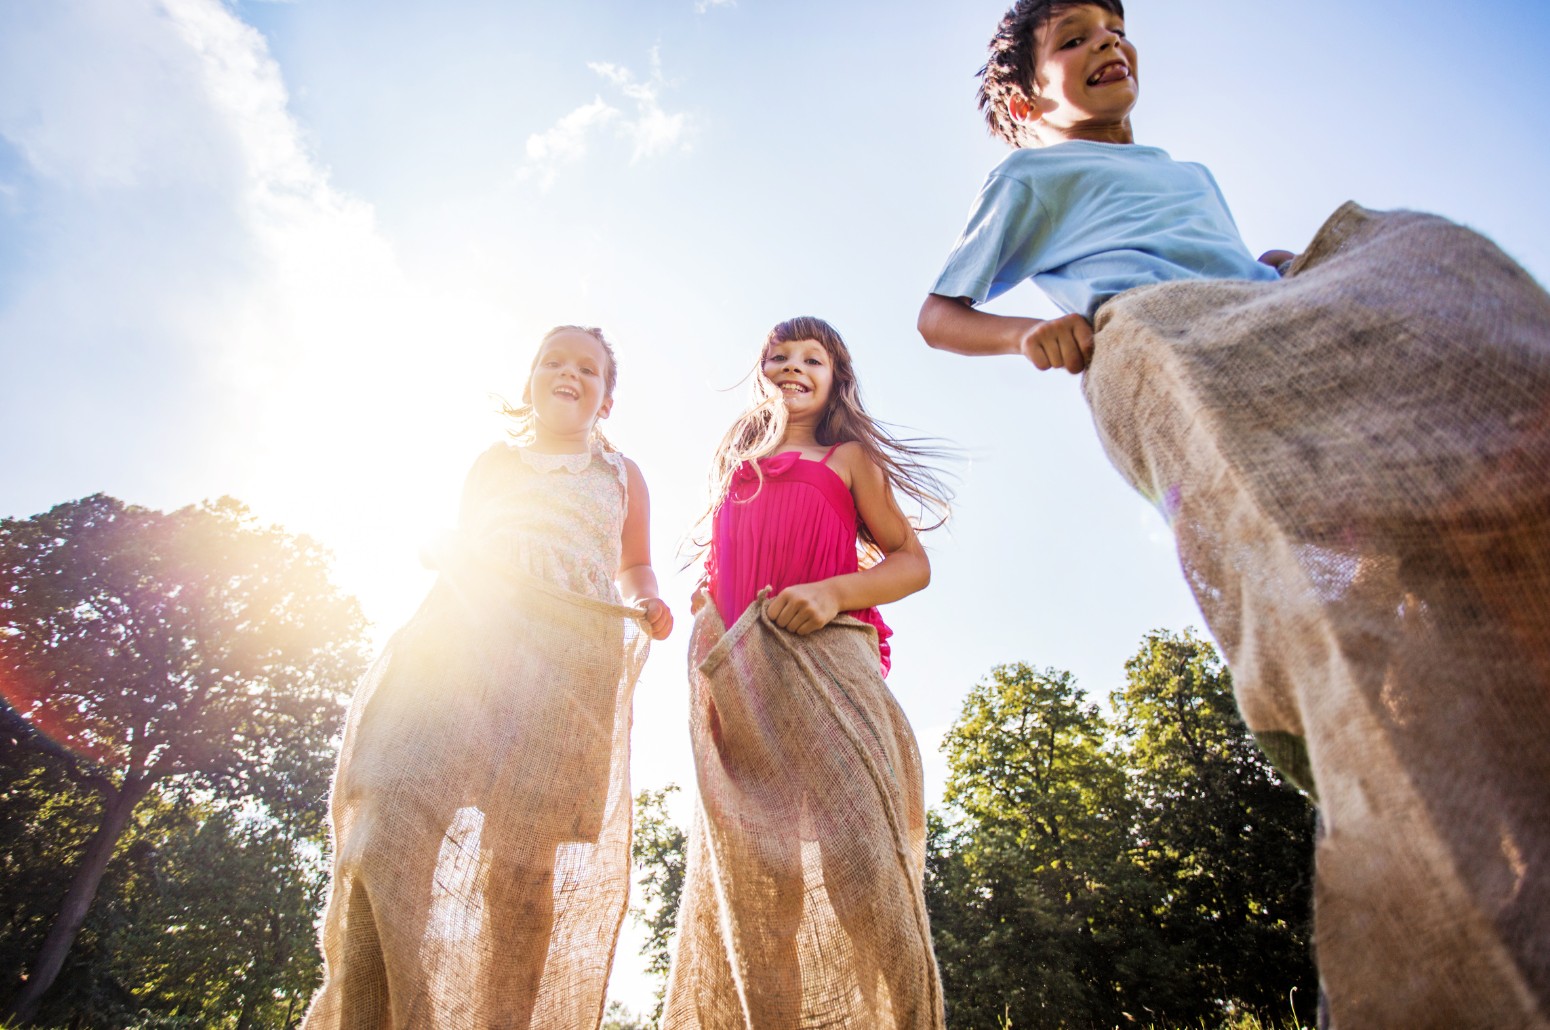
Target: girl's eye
1068	44
774	357
814	361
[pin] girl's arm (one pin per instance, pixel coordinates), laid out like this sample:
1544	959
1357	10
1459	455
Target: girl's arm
807	607
637	581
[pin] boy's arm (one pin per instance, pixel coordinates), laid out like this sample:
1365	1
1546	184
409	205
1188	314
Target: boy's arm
1006	238
952	324
1276	258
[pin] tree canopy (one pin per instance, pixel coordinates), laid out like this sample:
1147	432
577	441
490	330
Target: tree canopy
1095	869
660	851
1220	828
184	670
1035	900
172	683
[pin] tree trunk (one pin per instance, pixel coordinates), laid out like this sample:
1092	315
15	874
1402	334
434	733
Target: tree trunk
78	899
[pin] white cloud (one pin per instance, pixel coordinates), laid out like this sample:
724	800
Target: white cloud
89	96
701	6
203	310
566	141
651	130
656	132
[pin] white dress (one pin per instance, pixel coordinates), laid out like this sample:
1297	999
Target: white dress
558	517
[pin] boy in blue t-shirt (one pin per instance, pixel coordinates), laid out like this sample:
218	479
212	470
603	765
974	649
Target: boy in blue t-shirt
1079	207
1355	463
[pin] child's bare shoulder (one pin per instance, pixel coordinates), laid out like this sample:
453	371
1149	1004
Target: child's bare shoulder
632	472
855	465
492	457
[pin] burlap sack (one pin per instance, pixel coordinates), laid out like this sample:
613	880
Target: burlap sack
481	814
1356	465
802	904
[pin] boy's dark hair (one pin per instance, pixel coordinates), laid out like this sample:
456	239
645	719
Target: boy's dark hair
1010	72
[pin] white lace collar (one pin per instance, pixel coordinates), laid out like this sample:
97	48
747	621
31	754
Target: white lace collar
572	463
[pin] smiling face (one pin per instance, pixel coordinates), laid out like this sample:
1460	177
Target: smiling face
803	372
568	387
1084	77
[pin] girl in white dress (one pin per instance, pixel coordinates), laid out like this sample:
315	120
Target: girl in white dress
481	810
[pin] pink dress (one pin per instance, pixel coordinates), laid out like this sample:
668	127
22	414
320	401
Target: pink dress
799	527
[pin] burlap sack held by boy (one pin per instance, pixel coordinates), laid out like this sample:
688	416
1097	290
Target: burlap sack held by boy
1356	465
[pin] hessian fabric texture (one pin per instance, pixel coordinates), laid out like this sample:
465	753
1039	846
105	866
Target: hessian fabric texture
481	813
1355	462
802	903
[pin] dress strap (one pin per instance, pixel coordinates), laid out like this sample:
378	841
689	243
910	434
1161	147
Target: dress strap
830	453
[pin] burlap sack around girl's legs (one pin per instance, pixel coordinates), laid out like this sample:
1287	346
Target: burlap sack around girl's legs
1356	465
481	814
802	904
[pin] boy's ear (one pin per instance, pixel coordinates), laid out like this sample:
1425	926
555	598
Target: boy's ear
608	405
1025	110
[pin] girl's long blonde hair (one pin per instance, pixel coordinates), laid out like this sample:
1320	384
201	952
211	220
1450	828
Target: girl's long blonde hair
523	414
758	432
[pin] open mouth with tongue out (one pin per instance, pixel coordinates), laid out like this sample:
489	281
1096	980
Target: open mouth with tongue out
1114	71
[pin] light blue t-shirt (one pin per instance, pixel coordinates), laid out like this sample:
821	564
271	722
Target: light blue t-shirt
1088	220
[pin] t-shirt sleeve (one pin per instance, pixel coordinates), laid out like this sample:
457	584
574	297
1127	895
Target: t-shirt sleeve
998	247
1221	198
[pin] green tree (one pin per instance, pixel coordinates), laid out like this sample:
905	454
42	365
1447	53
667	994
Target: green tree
151	655
205	915
620	1018
1220	830
230	910
660	850
45	822
1033	891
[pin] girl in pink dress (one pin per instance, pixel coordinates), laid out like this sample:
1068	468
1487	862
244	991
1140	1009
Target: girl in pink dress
805	481
803	903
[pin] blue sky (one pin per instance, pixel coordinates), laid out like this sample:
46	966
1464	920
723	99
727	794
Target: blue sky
287	251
